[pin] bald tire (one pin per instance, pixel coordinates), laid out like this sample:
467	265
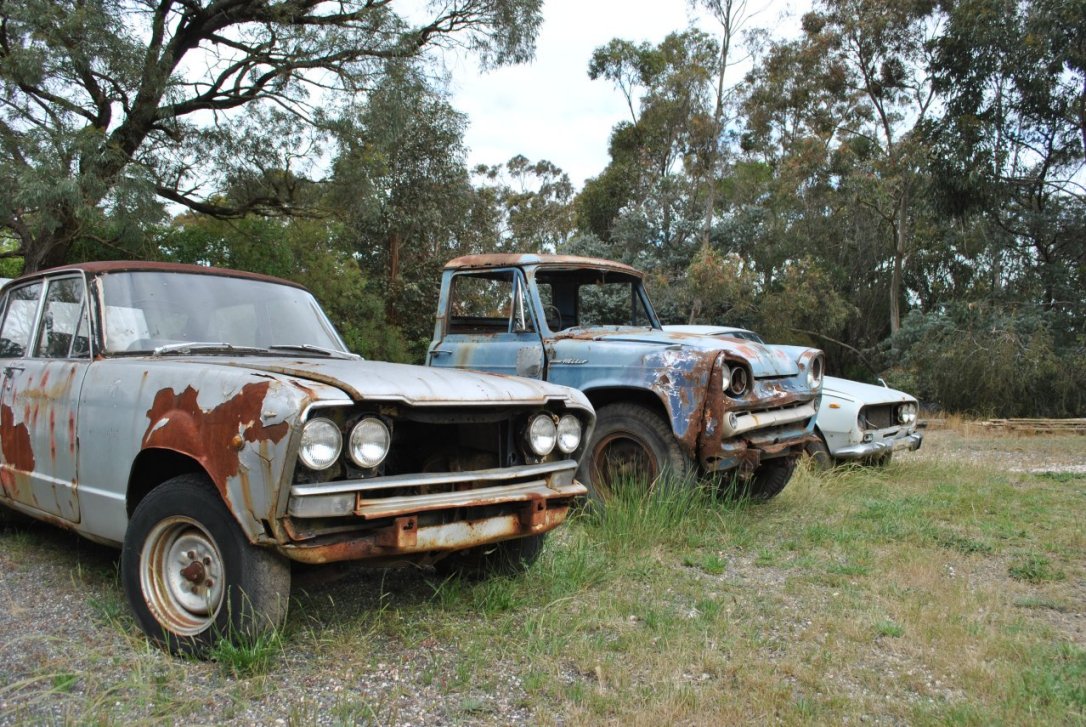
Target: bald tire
621	429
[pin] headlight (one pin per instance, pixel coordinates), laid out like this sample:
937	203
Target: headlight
906	414
814	373
369	442
542	434
321	444
569	433
740	381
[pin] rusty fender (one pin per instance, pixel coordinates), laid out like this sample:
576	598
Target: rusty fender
683	384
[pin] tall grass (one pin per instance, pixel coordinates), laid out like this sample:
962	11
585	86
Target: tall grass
921	593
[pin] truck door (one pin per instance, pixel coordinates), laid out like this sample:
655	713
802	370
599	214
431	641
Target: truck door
486	323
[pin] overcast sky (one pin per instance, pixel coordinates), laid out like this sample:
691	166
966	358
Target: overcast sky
549	109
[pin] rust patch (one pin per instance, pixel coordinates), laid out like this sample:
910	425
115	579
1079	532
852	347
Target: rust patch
18	452
177	422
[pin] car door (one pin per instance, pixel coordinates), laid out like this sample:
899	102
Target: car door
488	325
39	401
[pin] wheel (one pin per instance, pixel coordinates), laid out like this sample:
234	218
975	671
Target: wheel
191	576
821	459
505	558
768	480
630	443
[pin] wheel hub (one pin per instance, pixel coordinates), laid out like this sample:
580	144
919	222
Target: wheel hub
182	575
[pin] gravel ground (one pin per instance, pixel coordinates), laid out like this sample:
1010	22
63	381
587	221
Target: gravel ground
70	652
1010	453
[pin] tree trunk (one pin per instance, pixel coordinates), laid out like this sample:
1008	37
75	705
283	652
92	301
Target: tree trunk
896	280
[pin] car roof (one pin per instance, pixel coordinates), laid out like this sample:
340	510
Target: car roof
502	260
117	266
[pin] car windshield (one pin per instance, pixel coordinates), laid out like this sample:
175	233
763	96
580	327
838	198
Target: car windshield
146	310
591	298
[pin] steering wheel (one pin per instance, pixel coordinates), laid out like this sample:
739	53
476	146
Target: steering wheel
553	316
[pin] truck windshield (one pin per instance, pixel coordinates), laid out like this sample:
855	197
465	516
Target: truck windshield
148	310
592	298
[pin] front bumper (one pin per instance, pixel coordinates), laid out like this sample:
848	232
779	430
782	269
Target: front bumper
876	448
471	508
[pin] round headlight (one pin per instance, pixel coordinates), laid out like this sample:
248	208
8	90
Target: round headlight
321	444
569	433
369	442
814	373
542	434
740	381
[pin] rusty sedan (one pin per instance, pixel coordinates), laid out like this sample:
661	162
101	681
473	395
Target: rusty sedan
213	425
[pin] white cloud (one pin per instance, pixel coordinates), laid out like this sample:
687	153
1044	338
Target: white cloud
549	109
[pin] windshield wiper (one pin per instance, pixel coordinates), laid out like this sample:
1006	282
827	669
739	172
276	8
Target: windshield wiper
205	347
310	348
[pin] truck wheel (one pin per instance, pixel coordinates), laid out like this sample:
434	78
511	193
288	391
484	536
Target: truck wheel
506	558
821	459
768	480
630	443
192	577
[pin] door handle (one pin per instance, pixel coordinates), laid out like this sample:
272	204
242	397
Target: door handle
440	352
9	371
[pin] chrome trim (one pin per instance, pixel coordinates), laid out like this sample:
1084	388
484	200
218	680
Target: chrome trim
745	421
910	442
357	497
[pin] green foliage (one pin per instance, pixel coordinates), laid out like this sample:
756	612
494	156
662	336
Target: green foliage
990	360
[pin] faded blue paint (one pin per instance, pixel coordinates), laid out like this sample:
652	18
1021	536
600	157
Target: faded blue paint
676	368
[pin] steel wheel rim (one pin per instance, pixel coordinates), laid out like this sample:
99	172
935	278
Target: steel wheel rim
181	575
622	456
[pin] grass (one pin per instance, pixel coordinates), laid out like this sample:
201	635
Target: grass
922	593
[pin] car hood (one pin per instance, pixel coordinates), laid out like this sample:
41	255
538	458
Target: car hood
862	393
415	385
765	360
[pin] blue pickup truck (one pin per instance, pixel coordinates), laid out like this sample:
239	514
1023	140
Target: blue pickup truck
686	403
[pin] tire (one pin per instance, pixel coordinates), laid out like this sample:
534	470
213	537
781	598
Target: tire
505	558
821	459
768	480
191	576
630	443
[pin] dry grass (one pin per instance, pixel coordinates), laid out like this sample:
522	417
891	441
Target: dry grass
935	591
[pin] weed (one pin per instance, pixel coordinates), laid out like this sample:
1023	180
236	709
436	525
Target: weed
247	656
962	544
889	629
1034	568
711	563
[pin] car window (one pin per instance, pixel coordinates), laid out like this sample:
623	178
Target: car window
63	324
611	304
19	319
490	303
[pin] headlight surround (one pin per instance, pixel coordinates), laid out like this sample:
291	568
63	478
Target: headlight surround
542	434
814	373
369	442
322	443
569	433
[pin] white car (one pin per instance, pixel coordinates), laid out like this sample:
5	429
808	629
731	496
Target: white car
856	421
